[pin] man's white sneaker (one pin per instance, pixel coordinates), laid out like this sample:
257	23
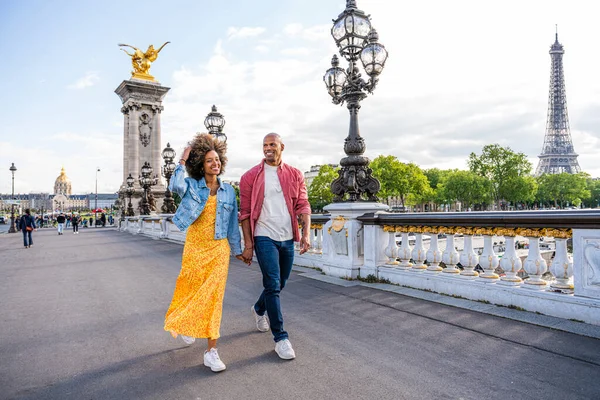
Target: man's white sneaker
212	360
284	350
262	321
188	339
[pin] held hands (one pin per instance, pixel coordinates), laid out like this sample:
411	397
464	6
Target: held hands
246	255
304	245
241	258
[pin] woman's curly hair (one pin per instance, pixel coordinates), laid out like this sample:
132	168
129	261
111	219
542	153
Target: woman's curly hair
202	144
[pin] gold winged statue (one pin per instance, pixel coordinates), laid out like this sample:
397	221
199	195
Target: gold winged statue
141	61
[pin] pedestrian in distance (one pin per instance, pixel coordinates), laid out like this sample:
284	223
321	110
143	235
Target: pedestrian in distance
27	225
75	221
103	219
273	197
208	211
60	220
68	220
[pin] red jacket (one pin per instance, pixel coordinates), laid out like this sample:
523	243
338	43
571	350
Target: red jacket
252	194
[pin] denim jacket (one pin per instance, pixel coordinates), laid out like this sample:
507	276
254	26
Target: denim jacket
194	195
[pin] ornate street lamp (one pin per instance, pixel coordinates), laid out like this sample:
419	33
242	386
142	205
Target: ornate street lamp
214	123
168	154
146	181
356	39
129	191
12	228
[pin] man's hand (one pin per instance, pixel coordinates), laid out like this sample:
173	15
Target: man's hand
304	244
247	254
241	258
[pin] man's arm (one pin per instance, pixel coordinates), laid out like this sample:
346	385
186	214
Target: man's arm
245	209
305	240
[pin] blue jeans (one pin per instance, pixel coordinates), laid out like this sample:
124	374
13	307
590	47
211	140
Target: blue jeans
26	233
275	259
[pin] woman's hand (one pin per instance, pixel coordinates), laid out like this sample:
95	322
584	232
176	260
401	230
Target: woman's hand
241	258
186	154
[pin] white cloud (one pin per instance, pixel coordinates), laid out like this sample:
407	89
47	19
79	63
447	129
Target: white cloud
261	48
89	79
244	32
297	51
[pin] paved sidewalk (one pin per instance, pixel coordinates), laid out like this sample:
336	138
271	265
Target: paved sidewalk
82	318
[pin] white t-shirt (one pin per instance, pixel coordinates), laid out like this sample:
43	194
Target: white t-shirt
274	220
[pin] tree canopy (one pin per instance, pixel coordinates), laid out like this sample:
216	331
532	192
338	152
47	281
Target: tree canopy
502	167
319	191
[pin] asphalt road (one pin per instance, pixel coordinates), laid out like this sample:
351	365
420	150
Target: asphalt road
82	318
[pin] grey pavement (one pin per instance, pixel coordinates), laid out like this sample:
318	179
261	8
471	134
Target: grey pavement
82	318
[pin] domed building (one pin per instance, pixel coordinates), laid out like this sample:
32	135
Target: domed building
62	185
63	199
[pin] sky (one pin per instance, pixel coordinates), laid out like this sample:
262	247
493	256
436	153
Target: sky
461	74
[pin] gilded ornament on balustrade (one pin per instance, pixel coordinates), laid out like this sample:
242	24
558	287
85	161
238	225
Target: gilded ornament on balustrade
559	233
389	228
316	226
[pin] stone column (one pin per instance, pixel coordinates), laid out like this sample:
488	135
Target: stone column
142	139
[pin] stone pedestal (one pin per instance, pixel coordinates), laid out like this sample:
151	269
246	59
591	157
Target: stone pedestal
586	262
142	107
344	249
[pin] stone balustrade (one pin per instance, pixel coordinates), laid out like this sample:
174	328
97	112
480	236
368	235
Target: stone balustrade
541	261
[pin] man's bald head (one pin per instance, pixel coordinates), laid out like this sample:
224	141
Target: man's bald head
272	148
273	135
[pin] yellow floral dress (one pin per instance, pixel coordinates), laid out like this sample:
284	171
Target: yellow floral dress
197	303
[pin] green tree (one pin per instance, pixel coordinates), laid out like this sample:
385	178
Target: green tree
560	189
319	191
501	166
594	188
399	180
521	189
466	187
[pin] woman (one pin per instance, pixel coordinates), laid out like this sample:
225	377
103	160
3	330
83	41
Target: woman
27	225
209	212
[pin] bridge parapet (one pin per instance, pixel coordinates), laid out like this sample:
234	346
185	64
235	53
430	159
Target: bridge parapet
540	261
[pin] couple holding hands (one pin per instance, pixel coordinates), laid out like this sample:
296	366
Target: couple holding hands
273	197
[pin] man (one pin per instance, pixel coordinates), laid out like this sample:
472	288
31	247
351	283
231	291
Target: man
272	197
61	223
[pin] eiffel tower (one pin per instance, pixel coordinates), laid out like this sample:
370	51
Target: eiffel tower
558	154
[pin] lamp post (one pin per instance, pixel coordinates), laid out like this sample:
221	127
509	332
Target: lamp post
214	123
12	228
96	198
168	154
130	191
146	181
356	39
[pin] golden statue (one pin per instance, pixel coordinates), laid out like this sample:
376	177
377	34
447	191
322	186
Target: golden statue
141	61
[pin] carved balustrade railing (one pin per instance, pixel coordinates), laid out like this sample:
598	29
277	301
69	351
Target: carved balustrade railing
543	261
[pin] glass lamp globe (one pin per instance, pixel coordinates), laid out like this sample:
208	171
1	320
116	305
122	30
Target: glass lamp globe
350	31
214	121
335	78
130	180
373	55
168	154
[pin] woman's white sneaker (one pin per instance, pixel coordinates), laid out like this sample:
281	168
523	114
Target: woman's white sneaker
262	321
284	350
212	360
188	339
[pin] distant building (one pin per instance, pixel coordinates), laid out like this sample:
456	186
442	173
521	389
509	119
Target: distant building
105	200
313	172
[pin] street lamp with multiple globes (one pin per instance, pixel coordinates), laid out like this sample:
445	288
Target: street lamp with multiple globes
356	39
146	181
214	123
12	228
168	154
129	191
96	198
